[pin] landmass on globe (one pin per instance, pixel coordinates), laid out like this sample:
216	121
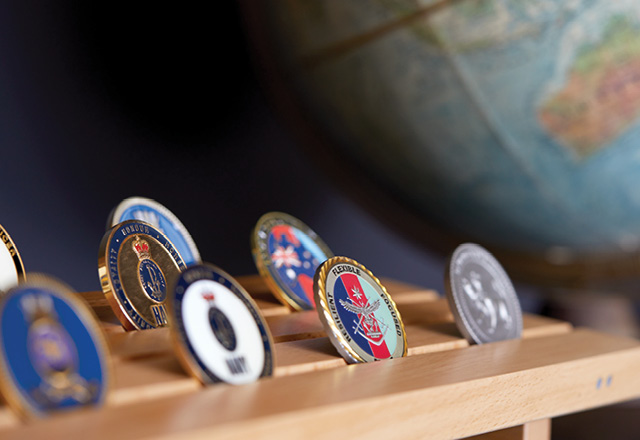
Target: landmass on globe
601	97
514	122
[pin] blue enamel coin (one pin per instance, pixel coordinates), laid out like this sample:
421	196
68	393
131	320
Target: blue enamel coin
53	356
152	212
218	331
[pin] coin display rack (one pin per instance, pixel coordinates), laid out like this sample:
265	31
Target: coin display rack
443	388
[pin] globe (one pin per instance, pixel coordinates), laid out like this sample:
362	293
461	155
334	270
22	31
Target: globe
513	123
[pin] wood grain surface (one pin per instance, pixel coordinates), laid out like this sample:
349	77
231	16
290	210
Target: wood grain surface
444	388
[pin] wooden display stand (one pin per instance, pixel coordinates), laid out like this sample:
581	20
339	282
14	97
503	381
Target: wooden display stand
444	388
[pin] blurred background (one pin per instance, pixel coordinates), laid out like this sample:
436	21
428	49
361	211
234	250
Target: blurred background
103	102
396	130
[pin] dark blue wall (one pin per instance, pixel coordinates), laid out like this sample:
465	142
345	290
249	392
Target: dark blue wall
98	103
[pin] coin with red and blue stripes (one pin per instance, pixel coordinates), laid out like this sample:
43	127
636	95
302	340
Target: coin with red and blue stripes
53	357
359	316
218	331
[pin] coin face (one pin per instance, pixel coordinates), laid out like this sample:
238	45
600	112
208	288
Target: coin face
287	253
481	296
358	314
135	262
217	329
53	357
11	268
152	212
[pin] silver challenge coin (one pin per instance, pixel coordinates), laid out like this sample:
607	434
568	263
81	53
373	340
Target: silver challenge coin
481	296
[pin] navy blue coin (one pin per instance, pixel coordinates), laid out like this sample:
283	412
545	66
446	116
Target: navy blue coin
152	212
134	263
218	331
53	357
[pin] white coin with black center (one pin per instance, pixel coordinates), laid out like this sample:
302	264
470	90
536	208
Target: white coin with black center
219	333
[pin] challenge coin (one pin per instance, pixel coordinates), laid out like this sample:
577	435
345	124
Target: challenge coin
481	296
11	268
152	212
53	357
287	253
358	314
218	332
135	262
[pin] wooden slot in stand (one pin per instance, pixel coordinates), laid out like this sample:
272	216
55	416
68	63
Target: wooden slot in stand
444	388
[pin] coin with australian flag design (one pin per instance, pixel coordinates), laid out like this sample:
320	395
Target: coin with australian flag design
287	253
359	316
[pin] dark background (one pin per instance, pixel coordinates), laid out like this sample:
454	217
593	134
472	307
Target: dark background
99	102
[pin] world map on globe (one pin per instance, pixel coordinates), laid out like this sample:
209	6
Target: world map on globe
515	122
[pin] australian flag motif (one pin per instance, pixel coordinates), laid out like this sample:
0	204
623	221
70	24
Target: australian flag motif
295	259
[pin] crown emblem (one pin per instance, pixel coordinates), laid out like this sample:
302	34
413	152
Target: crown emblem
36	307
208	296
141	248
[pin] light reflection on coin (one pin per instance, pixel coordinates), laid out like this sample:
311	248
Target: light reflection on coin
481	296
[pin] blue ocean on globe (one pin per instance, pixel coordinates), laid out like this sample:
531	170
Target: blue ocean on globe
514	123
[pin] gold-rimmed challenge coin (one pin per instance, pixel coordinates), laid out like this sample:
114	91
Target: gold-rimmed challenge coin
11	267
53	356
218	332
359	316
287	253
135	262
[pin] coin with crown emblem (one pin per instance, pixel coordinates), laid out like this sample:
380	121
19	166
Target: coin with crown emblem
218	331
11	267
53	357
152	212
135	262
359	316
287	253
